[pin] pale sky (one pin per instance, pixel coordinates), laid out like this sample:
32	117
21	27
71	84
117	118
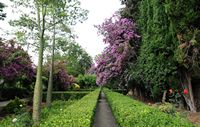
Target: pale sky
98	11
87	34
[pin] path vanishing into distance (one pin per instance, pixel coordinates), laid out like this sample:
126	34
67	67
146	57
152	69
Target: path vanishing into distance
103	115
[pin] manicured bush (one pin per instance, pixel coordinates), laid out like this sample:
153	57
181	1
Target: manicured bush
129	113
79	114
67	95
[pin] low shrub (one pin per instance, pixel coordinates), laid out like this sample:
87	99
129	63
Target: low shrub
16	106
67	95
79	114
167	108
129	113
87	80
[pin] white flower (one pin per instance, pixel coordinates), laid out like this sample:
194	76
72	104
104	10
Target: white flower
20	105
61	109
14	120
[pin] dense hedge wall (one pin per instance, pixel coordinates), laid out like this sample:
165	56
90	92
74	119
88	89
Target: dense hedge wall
79	114
129	113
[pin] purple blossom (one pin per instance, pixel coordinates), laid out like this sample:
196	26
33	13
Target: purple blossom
15	63
117	32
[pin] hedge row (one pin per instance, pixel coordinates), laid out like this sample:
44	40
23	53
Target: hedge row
129	113
67	95
79	114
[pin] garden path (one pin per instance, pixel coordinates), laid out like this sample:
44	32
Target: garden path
103	115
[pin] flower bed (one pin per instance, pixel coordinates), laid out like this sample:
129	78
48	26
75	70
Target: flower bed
129	113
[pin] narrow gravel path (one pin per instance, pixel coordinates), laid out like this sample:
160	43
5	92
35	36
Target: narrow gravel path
103	115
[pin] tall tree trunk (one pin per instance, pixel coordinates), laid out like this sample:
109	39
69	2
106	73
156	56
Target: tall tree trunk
164	96
50	84
37	98
189	98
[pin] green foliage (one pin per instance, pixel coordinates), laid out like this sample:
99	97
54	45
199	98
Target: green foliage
22	120
15	106
79	114
57	107
78	60
131	9
2	14
185	22
167	108
129	112
155	63
68	95
86	80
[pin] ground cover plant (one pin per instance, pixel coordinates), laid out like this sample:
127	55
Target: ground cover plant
129	113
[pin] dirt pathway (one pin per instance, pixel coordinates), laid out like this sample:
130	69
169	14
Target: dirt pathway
103	115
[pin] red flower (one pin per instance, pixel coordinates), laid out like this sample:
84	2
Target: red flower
185	91
170	91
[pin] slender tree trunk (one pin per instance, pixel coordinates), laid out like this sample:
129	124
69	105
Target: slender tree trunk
37	98
50	84
189	98
164	96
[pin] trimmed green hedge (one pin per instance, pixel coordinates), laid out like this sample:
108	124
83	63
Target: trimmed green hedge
132	113
67	95
79	114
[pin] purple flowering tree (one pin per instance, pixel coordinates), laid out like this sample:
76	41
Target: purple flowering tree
15	64
121	36
61	79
